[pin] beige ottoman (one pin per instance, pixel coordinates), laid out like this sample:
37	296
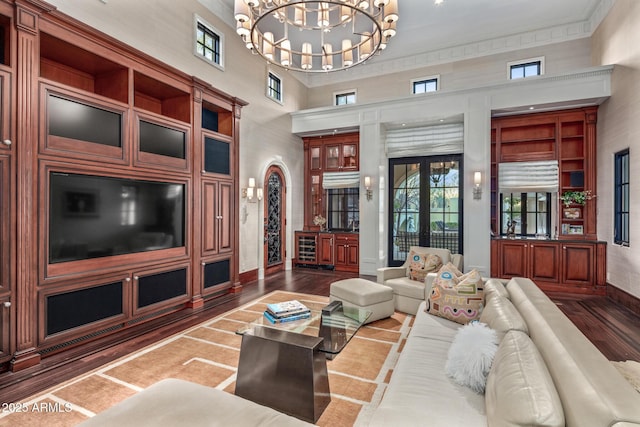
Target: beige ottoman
365	294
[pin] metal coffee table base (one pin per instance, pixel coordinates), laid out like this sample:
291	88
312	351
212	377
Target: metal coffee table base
285	371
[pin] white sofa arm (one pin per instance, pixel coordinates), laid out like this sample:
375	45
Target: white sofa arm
457	260
428	283
387	273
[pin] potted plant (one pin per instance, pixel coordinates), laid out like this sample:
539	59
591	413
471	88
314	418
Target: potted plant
576	197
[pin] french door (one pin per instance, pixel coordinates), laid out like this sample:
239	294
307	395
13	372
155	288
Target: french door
425	206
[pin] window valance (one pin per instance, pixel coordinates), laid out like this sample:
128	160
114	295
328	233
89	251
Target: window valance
425	141
340	180
524	177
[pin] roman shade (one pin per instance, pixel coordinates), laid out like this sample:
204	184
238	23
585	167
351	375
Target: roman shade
425	141
340	180
525	177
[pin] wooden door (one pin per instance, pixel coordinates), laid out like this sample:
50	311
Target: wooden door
274	220
578	261
513	259
325	248
544	261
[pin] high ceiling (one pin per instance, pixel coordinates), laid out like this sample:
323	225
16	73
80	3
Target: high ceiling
467	28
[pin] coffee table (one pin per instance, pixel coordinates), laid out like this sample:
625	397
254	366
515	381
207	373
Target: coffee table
284	365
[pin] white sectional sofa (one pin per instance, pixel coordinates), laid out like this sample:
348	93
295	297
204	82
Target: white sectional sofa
545	372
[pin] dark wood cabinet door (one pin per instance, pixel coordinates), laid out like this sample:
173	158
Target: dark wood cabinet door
544	262
513	259
225	217
578	262
325	249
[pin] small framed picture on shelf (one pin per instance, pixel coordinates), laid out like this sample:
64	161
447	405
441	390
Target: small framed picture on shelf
575	229
572	213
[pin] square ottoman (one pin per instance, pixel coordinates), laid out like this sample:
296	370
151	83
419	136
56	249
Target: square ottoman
364	294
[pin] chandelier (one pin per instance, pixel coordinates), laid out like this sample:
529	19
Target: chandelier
316	36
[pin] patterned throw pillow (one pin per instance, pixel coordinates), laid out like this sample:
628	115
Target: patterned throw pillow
416	262
456	298
431	263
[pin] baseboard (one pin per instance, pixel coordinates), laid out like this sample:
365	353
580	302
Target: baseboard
624	298
249	276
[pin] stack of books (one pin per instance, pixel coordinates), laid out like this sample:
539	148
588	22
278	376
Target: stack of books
287	311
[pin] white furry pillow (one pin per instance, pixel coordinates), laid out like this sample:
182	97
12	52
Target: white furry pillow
471	354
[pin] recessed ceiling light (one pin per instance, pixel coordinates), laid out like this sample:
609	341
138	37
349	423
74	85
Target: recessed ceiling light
532	108
438	2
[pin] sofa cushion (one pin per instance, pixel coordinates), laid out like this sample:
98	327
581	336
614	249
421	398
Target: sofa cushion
495	287
520	391
458	301
502	316
471	354
407	287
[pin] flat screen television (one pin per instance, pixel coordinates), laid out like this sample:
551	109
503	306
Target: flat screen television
97	216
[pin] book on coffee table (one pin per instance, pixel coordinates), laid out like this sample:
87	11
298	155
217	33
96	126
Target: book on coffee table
273	319
287	309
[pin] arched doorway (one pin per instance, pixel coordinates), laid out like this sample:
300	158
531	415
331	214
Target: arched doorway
274	220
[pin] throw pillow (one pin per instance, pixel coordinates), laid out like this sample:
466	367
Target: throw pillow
461	302
471	354
431	263
415	261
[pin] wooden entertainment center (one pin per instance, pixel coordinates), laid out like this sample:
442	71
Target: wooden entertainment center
77	103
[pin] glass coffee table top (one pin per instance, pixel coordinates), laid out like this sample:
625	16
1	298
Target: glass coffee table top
336	327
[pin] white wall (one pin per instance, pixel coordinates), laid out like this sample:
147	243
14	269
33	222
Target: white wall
475	106
617	40
164	29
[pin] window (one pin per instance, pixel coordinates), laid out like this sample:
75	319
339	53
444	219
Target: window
345	98
528	213
274	87
424	85
209	42
621	198
343	212
526	68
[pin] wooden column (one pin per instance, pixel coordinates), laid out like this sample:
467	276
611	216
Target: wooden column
26	144
591	177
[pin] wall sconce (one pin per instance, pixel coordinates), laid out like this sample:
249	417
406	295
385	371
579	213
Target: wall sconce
477	182
251	193
367	186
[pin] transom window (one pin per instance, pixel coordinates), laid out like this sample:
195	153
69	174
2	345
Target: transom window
208	43
345	98
621	198
274	87
425	85
526	68
527	214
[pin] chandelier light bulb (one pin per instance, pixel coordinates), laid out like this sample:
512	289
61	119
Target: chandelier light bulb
389	30
267	45
243	29
391	11
347	53
300	16
363	4
306	63
323	15
285	53
365	46
380	3
252	3
240	11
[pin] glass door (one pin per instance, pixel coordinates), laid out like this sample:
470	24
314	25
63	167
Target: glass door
425	205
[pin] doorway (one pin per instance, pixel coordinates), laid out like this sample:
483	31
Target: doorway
425	206
274	220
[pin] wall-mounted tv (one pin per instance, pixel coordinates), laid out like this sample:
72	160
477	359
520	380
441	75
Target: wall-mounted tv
96	216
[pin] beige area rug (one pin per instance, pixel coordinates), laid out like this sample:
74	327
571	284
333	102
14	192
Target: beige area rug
630	370
208	354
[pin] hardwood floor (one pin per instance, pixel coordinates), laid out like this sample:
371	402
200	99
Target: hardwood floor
614	329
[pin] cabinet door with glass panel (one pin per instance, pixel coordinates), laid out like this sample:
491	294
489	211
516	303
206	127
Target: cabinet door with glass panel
525	214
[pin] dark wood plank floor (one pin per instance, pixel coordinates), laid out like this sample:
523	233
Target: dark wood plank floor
614	329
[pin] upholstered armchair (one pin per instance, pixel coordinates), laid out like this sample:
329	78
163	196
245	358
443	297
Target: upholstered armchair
408	293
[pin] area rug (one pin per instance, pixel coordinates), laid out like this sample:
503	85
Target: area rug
208	354
630	370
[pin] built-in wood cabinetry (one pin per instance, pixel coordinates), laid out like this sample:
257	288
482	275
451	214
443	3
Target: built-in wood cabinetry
330	153
568	136
339	251
76	103
574	261
555	265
